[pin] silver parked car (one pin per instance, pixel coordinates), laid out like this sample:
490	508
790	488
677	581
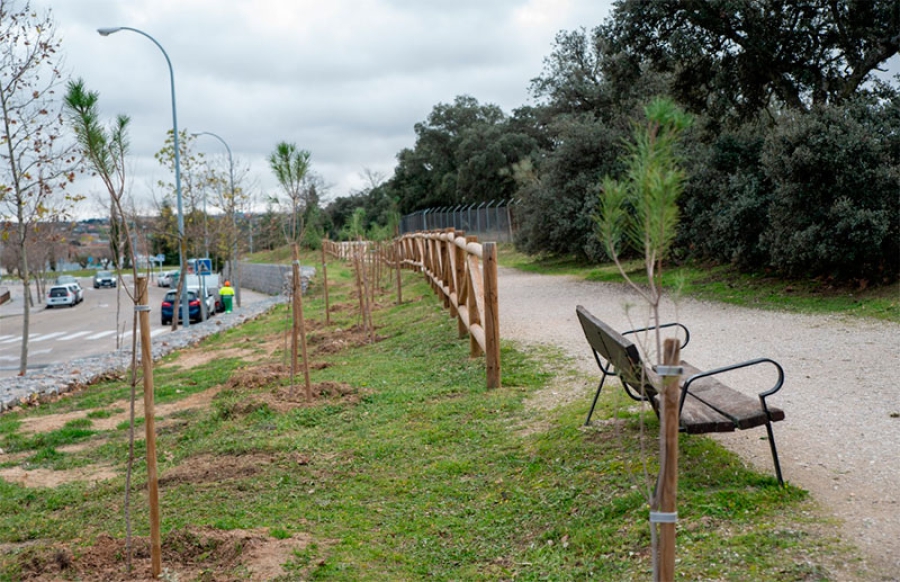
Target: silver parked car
104	279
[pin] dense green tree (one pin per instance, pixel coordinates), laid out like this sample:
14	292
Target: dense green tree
835	173
726	201
463	154
558	192
741	56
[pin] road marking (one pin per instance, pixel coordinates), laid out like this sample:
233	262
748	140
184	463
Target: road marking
18	339
10	358
158	331
46	336
72	336
4	337
38	352
100	335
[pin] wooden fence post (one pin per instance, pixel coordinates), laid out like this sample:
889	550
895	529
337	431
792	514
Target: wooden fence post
491	315
459	264
397	256
143	309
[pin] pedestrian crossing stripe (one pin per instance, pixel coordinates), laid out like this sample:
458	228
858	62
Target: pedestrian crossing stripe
61	337
100	335
18	339
46	336
72	336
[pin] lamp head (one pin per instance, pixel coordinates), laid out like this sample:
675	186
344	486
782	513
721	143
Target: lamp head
109	30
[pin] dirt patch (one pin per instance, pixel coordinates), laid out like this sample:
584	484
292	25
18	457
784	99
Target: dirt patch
51	478
330	342
216	468
191	358
51	422
285	398
258	376
192	553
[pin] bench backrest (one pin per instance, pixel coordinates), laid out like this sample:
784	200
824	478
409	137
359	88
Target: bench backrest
615	349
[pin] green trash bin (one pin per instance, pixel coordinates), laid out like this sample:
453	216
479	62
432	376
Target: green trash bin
227	301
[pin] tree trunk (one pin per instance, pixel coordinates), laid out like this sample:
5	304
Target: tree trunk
26	294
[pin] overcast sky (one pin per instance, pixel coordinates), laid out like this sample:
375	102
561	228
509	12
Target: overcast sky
344	79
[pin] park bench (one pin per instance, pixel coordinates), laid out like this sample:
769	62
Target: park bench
705	404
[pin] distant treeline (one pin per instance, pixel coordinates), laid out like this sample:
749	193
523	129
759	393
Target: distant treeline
793	159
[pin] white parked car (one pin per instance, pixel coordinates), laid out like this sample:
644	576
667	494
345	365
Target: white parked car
62	295
165	279
79	292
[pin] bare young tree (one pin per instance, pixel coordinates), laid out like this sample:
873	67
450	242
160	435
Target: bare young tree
36	164
105	150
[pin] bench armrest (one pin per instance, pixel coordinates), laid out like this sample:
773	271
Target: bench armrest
687	332
762	395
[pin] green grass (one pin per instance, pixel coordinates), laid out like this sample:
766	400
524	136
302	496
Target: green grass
727	285
421	472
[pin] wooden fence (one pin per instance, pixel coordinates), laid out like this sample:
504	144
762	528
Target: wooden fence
459	269
464	272
345	250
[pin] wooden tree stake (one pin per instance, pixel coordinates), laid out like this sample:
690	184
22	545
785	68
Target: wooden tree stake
325	284
299	327
149	424
669	479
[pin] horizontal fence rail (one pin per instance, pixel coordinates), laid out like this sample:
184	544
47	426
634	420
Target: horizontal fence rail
462	271
345	251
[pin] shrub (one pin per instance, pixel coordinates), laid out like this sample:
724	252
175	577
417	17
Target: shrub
836	178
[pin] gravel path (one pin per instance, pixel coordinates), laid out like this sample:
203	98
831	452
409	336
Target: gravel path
841	437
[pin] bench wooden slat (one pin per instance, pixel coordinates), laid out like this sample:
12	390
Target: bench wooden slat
743	410
698	418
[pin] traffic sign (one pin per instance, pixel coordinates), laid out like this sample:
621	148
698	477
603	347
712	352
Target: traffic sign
204	266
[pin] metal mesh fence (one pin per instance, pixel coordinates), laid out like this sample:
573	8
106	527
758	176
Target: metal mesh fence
488	220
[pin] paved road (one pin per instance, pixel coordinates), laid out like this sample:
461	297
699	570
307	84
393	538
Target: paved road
96	326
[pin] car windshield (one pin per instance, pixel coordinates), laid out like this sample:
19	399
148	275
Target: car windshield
59	292
62	279
104	274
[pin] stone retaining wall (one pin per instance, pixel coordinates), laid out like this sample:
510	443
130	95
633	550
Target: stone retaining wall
269	279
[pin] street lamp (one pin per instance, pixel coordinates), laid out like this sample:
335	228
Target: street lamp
185	318
234	267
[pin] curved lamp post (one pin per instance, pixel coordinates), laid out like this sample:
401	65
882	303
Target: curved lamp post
234	269
185	318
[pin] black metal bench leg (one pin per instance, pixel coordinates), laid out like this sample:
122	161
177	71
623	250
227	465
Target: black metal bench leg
774	452
587	421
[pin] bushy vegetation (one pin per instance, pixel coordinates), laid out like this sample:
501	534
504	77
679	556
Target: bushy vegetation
793	163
